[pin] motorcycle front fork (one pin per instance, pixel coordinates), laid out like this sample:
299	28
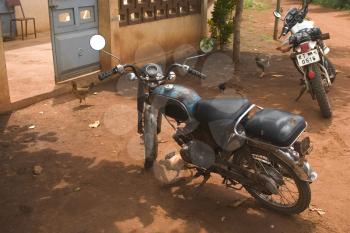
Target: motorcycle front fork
141	101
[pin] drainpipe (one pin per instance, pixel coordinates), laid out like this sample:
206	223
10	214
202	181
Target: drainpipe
4	88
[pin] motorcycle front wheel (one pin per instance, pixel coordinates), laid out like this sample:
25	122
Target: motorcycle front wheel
150	136
294	195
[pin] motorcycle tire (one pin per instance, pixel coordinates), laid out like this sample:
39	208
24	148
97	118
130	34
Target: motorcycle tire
150	136
320	93
299	69
330	68
303	187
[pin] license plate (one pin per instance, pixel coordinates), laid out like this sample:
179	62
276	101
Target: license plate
308	58
303	147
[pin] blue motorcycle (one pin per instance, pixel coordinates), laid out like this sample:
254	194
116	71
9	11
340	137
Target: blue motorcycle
250	147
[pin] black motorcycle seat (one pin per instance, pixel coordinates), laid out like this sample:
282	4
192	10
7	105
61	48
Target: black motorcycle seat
276	127
210	110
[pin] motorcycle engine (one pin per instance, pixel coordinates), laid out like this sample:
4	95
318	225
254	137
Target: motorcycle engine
198	154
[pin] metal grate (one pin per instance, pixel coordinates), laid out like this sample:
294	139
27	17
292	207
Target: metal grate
141	11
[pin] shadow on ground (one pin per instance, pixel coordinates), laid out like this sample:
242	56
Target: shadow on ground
73	194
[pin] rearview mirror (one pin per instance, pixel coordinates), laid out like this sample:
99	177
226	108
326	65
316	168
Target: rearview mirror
131	76
97	42
277	14
206	45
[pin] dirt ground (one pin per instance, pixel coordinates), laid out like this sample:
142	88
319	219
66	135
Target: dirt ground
92	179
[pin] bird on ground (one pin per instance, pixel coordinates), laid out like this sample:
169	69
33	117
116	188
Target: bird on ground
222	87
81	92
262	63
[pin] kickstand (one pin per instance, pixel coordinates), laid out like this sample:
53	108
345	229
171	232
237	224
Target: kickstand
302	91
206	177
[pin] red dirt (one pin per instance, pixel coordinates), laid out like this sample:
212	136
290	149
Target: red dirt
92	179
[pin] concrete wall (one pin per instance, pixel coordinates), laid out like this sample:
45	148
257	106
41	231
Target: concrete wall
39	10
4	88
157	40
154	41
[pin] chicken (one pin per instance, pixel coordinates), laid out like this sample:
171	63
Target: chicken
222	87
262	63
81	92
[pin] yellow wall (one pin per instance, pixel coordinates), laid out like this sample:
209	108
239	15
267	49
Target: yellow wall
159	39
4	88
37	9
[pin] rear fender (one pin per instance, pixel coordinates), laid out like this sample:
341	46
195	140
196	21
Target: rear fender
301	166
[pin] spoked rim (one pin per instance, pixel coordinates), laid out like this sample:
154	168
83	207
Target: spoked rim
288	192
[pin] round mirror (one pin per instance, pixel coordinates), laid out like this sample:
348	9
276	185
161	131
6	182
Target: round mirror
131	76
207	44
97	42
277	14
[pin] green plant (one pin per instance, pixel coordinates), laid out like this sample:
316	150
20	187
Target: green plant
248	3
221	23
338	4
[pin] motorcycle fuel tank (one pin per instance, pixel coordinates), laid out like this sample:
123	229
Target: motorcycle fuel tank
175	101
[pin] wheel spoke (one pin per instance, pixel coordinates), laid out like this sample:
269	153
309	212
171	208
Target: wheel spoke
285	196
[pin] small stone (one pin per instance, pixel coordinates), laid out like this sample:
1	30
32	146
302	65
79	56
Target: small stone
237	203
272	226
31	127
95	124
37	170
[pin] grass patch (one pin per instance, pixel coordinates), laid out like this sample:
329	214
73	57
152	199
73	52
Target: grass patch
256	5
266	37
337	4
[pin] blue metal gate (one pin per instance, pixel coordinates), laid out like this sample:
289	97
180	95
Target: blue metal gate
73	22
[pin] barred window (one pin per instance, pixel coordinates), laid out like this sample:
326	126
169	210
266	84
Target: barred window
140	11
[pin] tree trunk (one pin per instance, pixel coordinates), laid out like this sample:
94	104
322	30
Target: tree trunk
237	31
275	30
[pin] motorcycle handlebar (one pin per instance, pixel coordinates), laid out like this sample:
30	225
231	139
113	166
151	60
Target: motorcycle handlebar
325	36
120	69
106	74
196	73
284	31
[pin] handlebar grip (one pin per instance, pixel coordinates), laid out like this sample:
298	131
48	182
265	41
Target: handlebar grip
196	73
102	76
325	36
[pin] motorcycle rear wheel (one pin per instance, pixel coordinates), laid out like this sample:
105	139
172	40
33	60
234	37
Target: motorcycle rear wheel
320	92
275	167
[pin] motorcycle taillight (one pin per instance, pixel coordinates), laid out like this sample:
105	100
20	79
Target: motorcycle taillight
304	47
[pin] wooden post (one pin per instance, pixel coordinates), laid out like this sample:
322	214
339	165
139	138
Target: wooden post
204	18
237	31
4	88
275	30
109	28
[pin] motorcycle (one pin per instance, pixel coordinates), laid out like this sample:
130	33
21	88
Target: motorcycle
250	147
309	55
